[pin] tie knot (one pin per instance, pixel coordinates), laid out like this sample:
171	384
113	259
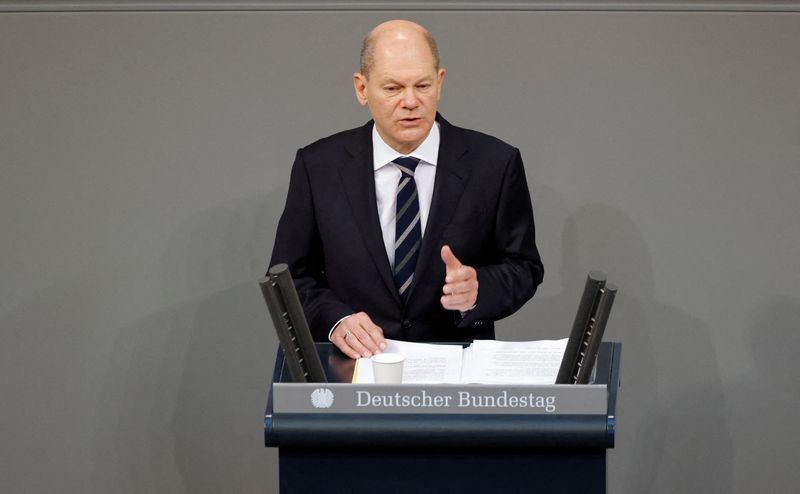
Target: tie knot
407	165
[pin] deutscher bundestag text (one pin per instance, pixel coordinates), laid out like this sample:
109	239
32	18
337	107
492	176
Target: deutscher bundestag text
461	399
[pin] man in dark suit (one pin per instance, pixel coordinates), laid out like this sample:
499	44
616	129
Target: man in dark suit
408	227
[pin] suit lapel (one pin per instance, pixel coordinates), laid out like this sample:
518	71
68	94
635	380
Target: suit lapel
452	173
358	182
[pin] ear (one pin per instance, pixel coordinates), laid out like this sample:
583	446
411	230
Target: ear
360	85
440	80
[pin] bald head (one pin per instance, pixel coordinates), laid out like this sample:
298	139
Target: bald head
401	83
396	31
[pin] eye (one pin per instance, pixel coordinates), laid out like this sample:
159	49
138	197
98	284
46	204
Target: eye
423	86
391	89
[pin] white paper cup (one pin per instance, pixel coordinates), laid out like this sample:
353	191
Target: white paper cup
388	368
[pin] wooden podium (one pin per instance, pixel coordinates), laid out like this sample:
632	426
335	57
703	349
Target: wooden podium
338	437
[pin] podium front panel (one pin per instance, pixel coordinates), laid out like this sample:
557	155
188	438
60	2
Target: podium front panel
347	450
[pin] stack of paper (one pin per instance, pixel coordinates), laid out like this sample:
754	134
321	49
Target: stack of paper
484	361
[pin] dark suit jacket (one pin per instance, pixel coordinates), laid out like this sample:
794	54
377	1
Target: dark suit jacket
330	236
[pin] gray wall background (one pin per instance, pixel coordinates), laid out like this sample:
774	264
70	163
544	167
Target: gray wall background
144	161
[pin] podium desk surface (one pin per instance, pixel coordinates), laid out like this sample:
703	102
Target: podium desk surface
589	430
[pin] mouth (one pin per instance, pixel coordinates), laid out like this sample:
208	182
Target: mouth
410	121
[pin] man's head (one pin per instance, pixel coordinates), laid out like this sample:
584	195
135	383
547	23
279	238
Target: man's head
401	82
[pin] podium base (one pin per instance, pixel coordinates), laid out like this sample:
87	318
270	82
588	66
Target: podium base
419	471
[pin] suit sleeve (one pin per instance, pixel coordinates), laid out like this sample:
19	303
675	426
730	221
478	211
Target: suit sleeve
509	279
297	243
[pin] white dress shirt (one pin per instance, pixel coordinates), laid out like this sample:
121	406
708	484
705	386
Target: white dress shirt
387	178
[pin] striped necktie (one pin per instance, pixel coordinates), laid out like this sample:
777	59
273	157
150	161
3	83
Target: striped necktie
408	232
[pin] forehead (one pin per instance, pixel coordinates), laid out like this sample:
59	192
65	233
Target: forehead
403	56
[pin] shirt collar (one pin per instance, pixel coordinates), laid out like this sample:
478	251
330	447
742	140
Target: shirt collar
428	151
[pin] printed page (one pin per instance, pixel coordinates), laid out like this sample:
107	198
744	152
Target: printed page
514	362
425	363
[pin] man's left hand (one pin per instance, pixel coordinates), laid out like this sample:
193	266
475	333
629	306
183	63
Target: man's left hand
460	283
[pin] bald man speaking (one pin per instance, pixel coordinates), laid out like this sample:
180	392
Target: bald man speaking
407	227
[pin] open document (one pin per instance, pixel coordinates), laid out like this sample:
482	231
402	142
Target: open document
484	361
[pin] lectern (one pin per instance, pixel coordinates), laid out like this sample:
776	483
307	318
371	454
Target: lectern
342	437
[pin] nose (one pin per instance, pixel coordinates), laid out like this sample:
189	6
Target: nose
410	100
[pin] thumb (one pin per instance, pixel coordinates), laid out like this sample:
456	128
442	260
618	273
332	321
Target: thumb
450	259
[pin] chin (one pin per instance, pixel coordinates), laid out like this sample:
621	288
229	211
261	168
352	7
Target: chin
417	134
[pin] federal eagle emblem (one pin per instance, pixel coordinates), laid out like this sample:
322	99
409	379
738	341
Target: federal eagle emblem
322	398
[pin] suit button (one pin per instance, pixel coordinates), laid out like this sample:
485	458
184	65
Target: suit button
406	324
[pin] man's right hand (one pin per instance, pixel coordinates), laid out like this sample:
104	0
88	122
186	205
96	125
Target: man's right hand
357	336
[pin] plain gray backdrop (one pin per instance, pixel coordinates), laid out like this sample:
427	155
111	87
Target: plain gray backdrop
144	162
